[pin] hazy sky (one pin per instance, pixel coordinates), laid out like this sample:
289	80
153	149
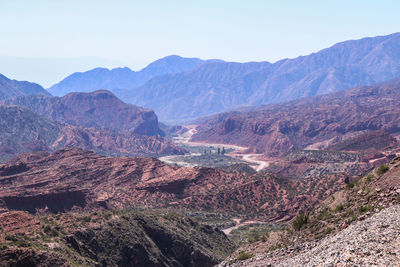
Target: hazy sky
59	37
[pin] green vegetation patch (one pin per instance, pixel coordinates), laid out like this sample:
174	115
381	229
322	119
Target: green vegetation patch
244	256
364	209
300	220
382	169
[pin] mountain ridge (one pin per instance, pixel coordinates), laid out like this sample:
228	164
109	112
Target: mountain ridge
97	109
25	131
122	78
316	121
13	88
215	86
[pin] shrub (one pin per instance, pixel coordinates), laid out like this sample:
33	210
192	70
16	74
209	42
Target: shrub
351	185
172	216
324	233
50	231
382	169
244	256
300	220
11	238
370	177
85	218
339	207
364	209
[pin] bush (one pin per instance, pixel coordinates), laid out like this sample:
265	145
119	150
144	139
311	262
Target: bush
364	209
13	238
50	231
350	185
339	207
382	169
369	178
300	220
85	218
244	256
172	216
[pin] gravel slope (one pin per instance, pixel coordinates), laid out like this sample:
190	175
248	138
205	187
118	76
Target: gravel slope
372	242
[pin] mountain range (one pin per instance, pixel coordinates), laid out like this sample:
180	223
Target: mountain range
122	78
12	88
96	109
95	121
203	88
313	123
316	179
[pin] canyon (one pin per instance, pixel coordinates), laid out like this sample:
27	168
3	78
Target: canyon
317	122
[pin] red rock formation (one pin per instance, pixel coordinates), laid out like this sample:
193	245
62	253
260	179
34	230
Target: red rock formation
24	131
73	178
279	129
97	109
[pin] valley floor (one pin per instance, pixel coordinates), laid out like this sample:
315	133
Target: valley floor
235	152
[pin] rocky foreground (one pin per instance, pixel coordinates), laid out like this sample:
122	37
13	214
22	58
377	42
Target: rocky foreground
357	226
112	238
374	241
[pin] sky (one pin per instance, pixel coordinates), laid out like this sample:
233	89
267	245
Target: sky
45	40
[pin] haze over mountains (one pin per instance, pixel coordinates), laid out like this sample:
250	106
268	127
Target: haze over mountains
295	156
194	88
12	88
122	78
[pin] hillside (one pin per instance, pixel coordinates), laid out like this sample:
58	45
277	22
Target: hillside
24	131
112	238
122	78
12	88
77	178
97	109
222	86
316	122
357	225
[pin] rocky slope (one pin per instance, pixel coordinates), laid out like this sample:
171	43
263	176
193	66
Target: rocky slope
24	131
217	87
122	78
117	238
355	226
315	122
372	242
85	180
12	88
96	109
368	142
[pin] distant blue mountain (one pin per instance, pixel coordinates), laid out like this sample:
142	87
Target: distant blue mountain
122	78
12	88
206	88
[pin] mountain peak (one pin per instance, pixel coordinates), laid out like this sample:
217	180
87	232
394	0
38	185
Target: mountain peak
13	88
122	78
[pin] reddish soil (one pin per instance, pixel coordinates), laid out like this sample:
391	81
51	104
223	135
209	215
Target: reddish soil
324	120
72	179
